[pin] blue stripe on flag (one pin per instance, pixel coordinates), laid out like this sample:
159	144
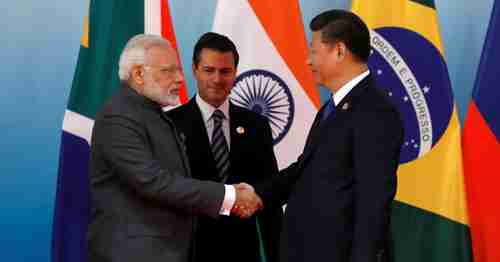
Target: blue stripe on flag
72	208
486	93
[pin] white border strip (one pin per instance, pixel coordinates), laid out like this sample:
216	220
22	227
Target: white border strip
78	125
152	17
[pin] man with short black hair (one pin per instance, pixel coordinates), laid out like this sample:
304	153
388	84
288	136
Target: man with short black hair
228	143
340	190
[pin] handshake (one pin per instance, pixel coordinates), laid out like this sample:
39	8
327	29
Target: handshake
247	201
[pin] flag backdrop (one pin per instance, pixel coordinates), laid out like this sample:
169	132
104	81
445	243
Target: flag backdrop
273	78
429	221
109	25
481	145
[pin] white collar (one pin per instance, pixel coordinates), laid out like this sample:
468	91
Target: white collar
207	110
345	89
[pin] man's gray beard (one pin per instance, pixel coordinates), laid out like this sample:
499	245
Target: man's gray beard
153	93
172	100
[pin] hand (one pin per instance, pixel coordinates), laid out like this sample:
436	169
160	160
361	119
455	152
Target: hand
247	202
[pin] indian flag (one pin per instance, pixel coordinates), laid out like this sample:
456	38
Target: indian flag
273	78
106	30
429	221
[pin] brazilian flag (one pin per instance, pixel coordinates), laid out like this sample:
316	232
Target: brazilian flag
429	220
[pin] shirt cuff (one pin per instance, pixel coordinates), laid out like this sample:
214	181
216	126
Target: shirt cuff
229	199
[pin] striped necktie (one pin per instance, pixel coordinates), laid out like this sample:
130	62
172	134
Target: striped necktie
220	149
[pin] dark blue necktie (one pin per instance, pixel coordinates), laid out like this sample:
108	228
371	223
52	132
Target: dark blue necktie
328	110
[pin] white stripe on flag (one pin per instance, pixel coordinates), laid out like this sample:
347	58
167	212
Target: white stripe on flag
78	125
237	20
152	17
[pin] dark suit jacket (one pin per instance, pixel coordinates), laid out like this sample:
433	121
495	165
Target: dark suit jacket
340	190
251	160
144	200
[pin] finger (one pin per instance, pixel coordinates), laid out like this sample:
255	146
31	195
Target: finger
246	186
260	204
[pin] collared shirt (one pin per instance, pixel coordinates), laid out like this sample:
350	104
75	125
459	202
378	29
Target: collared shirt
345	89
207	112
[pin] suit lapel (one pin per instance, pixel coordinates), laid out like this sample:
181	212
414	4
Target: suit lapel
312	138
342	110
180	139
198	133
237	130
235	123
351	98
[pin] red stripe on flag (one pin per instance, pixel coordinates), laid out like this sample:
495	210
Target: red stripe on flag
167	31
482	177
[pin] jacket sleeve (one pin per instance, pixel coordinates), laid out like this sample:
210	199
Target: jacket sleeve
123	144
276	190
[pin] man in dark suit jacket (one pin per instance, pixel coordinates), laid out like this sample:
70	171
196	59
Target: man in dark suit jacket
340	190
251	157
144	199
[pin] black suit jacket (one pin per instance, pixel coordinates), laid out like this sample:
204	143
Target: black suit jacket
144	200
251	160
340	190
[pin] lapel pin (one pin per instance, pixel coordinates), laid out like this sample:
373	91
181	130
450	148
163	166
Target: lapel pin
240	130
345	106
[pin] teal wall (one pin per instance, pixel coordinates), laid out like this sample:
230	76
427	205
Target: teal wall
39	48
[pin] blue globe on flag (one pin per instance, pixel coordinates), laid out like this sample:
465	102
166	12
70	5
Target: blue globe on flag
416	82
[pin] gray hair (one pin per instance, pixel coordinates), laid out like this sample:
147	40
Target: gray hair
134	52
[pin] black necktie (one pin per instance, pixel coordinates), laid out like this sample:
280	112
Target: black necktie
219	146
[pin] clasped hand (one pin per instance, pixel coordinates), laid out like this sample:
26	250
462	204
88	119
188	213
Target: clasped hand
247	201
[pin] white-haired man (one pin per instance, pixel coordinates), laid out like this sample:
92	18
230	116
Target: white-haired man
144	200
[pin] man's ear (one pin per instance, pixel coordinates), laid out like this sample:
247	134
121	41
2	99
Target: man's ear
341	50
194	67
137	74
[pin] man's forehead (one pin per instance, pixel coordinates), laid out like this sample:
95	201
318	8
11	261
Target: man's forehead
205	52
214	58
166	65
159	48
161	54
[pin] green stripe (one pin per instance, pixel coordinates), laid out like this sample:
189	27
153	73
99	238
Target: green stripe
419	236
428	3
111	24
262	251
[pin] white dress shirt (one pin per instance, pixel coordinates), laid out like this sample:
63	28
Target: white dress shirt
345	89
207	111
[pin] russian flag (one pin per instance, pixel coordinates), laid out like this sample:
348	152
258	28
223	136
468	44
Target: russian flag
481	149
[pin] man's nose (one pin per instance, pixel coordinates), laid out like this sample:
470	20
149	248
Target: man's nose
217	77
